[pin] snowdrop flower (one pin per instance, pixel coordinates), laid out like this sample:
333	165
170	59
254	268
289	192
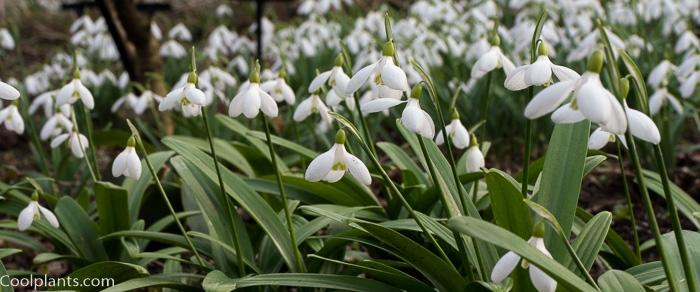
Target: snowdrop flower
590	100
416	119
251	99
188	97
458	134
44	100
688	85
7	92
11	118
505	266
129	99
74	90
57	123
384	70
78	142
475	158
180	32
336	79
155	31
312	105
599	138
127	162
538	73
491	60
172	49
642	127
279	90
33	212
6	40
660	73
332	165
660	97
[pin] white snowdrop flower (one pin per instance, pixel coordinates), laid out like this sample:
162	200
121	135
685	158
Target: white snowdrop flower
128	99
188	97
312	105
538	73
127	162
590	100
172	49
416	119
686	41
660	73
6	40
251	99
642	127
506	264
45	101
145	100
155	31
337	80
11	118
457	133
74	90
332	165
660	97
599	138
491	60
385	72
687	67
57	123
33	212
7	92
180	32
279	90
78	142
688	85
224	10
475	158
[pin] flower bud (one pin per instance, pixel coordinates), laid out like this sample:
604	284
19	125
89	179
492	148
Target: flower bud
417	91
595	62
473	141
624	86
340	137
389	49
35	196
340	60
192	77
255	73
542	49
131	142
455	114
495	40
538	230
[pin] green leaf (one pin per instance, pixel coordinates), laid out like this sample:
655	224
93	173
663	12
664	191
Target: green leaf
284	143
402	160
684	202
590	240
509	210
440	273
116	271
137	188
224	150
616	280
614	241
216	281
81	230
561	179
150	282
692	242
503	238
639	84
166	238
113	210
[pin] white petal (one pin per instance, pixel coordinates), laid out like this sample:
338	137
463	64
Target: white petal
593	102
504	267
617	123
133	165
49	216
643	127
268	105
541	281
564	73
65	94
539	72
319	81
358	169
58	140
334	176
475	159
485	64
360	78
439	139
251	102
567	115
548	99
236	107
320	166
428	130
170	100
119	165
516	80
460	139
656	100
380	104
675	103
85	96
8	92
599	138
26	216
394	77
303	110
412	118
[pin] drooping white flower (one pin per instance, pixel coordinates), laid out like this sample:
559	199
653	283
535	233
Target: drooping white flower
689	84
590	100
251	99
127	162
73	91
642	127
33	212
337	80
384	70
11	118
7	92
457	133
491	60
180	32
312	105
506	264
660	73
188	97
57	123
599	138
128	99
414	118
172	49
6	40
332	165
475	158
279	90
78	142
44	100
659	98
538	73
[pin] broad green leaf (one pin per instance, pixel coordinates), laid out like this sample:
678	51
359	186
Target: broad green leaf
277	140
113	211
651	273
137	188
166	238
81	230
503	238
561	179
48	257
509	210
117	272
614	241
259	145
590	240
616	281
216	281
150	282
402	160
224	150
684	202
443	275
3	273
692	242
346	192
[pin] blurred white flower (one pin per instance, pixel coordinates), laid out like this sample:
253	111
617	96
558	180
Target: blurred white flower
10	117
660	73
660	97
384	70
491	60
74	90
155	31
188	97
127	163
172	49
8	92
279	90
6	40
312	105
332	165
180	32
78	142
57	123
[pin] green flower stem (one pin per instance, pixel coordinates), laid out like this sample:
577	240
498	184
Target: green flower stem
141	147
526	155
91	143
80	144
675	221
485	105
225	198
287	213
630	205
